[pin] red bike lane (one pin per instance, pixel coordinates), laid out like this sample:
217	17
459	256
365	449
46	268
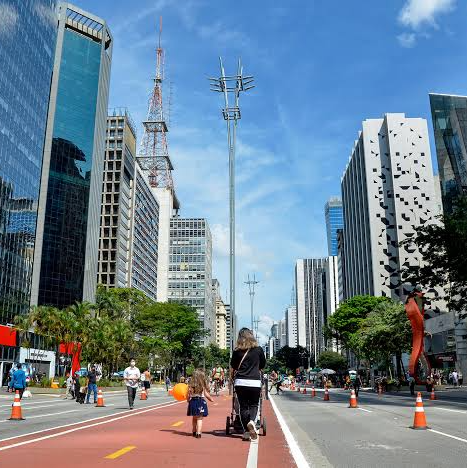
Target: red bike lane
159	435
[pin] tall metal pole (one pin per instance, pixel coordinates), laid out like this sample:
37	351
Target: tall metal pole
231	84
251	290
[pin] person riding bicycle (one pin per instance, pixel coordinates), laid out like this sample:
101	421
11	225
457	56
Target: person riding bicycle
218	377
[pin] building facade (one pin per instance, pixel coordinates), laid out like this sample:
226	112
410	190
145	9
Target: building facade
117	201
449	114
311	291
221	316
387	191
291	326
334	216
67	241
331	270
282	333
190	269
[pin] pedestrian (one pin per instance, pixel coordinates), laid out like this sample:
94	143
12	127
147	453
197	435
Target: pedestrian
146	379
357	383
82	389
69	386
455	378
412	385
247	362
92	385
167	383
75	385
18	380
198	391
273	378
278	384
131	376
460	378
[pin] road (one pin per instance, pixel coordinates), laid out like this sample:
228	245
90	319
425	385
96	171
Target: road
57	433
329	434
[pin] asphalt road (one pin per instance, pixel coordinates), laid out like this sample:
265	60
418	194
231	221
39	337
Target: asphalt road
43	412
377	434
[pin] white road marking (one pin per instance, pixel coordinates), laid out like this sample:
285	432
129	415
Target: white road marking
297	454
51	414
451	410
252	460
126	414
363	409
448	435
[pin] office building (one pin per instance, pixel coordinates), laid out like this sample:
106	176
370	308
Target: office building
117	201
27	45
291	326
221	316
282	333
232	329
67	241
334	221
190	269
340	264
331	270
449	114
275	335
387	191
312	313
145	236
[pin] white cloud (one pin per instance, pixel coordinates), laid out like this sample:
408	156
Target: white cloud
416	13
221	242
407	40
9	17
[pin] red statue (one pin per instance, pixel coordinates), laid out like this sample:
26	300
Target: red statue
419	367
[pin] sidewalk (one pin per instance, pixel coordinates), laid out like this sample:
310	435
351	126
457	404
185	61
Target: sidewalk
159	435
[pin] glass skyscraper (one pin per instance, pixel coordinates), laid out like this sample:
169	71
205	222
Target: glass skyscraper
27	44
334	221
449	114
69	206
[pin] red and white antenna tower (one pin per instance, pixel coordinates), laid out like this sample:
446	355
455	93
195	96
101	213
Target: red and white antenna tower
154	155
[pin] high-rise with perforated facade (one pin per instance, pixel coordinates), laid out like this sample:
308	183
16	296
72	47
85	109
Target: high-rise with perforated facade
387	192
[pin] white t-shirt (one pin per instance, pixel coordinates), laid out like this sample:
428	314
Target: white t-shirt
133	374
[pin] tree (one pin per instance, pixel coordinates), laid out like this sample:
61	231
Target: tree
274	364
385	332
443	248
347	319
332	360
293	358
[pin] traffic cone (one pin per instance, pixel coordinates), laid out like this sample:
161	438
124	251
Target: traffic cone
298	389
419	420
100	399
313	391
143	395
304	391
433	395
16	414
353	400
326	394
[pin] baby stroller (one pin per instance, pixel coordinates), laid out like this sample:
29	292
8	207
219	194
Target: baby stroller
233	424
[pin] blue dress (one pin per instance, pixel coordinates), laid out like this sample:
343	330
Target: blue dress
197	406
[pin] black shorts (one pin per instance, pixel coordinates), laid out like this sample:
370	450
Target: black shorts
147	384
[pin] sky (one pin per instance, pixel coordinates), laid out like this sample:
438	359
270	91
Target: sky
320	68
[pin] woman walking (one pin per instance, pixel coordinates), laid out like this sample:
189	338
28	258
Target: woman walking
247	362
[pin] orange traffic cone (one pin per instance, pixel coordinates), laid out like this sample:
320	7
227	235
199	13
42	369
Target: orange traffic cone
313	392
16	414
353	400
419	420
304	391
143	395
433	395
100	399
326	394
171	391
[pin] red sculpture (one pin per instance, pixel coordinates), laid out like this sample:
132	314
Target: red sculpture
419	367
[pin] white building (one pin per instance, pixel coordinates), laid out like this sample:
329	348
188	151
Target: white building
221	316
291	326
387	191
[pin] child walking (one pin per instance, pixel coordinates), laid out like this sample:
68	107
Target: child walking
198	390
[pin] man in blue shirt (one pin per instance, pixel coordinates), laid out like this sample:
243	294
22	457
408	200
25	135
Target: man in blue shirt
18	381
92	384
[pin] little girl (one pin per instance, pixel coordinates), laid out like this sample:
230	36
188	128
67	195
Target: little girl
197	407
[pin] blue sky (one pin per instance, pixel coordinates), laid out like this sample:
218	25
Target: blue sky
320	69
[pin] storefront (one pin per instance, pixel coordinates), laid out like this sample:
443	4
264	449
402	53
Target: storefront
9	352
42	363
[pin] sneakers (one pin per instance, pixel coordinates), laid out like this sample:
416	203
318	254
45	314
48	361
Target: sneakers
246	436
252	430
198	435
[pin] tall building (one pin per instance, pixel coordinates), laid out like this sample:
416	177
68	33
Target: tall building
310	287
221	316
449	114
291	326
334	221
340	264
190	269
331	270
232	329
387	191
275	335
27	45
282	333
66	254
117	201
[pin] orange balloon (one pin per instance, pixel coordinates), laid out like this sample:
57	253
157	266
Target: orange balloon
180	391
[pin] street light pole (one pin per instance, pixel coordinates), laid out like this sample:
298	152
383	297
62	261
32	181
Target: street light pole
251	290
234	85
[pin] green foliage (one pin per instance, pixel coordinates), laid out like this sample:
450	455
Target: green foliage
332	360
385	332
293	358
211	356
349	316
442	247
274	364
